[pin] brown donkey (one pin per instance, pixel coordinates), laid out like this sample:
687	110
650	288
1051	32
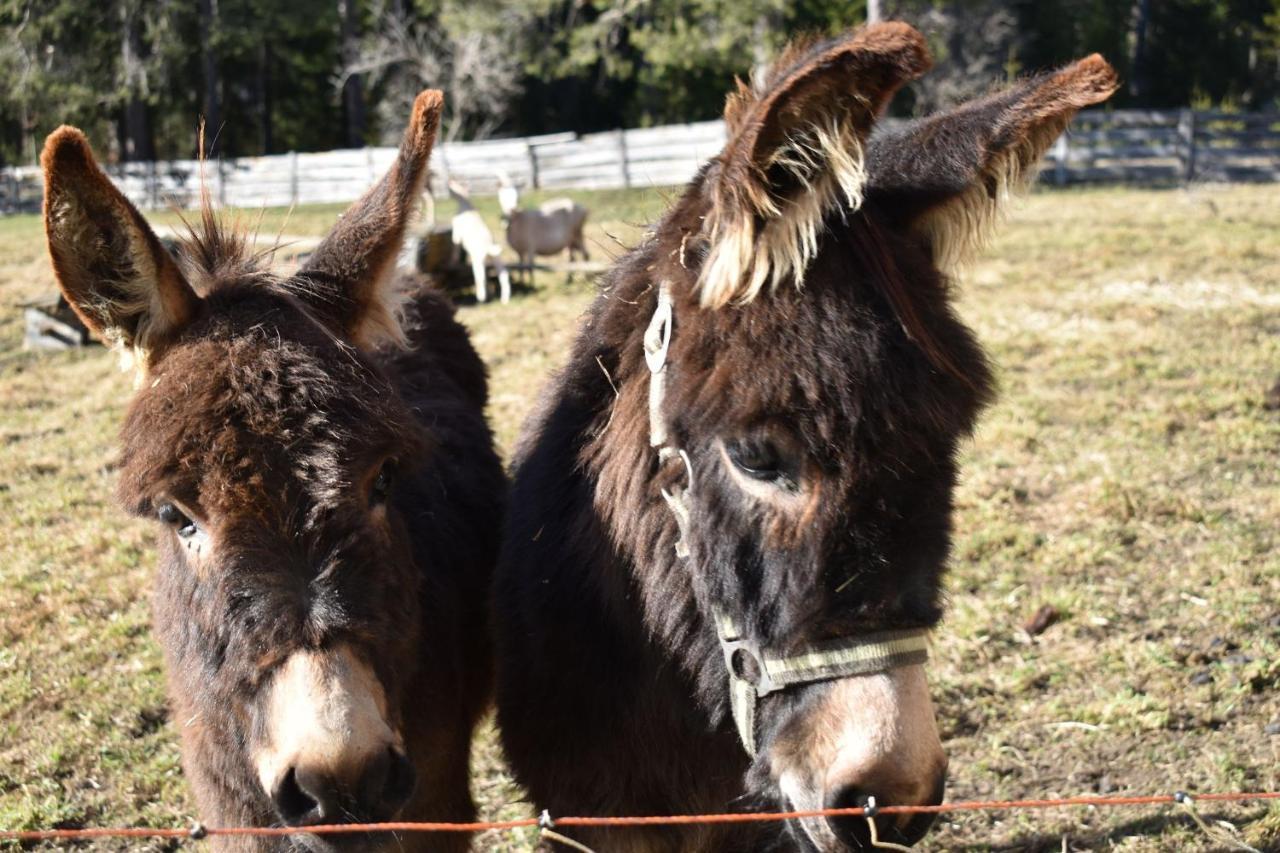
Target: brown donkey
326	486
730	519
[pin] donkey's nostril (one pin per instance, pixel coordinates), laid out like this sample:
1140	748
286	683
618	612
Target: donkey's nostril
400	782
373	791
303	798
852	831
387	784
855	832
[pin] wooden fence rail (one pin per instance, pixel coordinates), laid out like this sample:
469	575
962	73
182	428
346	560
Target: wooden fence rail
1147	147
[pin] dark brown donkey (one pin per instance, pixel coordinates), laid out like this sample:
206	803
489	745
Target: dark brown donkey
747	466
326	489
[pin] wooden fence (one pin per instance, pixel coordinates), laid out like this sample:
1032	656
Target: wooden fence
1121	146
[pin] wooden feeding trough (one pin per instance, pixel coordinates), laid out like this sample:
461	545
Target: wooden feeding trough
52	325
436	257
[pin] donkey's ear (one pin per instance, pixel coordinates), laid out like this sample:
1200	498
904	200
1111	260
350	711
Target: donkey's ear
795	153
349	281
113	270
946	177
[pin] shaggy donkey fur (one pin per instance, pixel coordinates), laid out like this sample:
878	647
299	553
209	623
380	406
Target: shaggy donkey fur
820	383
316	451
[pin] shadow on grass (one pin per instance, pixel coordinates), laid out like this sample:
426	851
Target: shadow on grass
550	280
1152	826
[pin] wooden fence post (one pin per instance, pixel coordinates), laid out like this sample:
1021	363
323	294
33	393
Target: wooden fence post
1060	160
1187	133
623	165
533	163
444	167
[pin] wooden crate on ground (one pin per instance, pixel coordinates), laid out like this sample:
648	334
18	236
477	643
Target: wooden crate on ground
50	324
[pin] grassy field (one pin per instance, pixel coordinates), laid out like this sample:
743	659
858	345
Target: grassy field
1129	477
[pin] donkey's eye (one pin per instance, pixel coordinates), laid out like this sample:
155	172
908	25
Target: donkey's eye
766	461
757	459
382	484
175	518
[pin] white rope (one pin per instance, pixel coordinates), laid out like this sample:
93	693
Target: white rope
657	341
565	840
886	845
1221	834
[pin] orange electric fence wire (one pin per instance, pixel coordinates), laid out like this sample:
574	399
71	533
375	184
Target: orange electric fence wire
198	832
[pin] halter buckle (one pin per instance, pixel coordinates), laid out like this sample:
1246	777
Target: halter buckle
744	659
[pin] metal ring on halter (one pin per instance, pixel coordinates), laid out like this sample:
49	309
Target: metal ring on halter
657	338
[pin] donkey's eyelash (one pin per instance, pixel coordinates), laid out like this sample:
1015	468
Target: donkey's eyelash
177	518
762	460
754	456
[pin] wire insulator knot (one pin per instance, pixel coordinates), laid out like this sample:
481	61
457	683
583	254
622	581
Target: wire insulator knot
870	809
545	820
198	832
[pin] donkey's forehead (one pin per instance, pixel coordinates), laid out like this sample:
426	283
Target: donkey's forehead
801	357
261	337
834	353
264	383
252	408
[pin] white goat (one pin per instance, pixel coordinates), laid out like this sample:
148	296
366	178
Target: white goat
470	232
552	227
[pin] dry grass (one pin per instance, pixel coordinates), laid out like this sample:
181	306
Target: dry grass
1128	477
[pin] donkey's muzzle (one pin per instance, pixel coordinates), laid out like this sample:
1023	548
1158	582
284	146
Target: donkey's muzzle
327	753
311	795
855	832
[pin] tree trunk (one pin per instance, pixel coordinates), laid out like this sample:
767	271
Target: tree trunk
352	92
266	134
211	104
765	25
874	11
136	143
1138	70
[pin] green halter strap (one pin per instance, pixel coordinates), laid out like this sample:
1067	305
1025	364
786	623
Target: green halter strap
755	673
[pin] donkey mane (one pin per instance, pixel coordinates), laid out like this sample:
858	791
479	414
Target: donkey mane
215	254
214	250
